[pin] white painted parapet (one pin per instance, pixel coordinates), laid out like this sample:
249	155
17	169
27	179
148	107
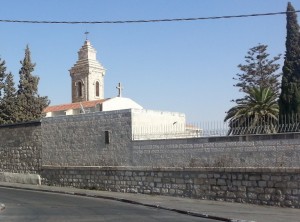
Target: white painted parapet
25	178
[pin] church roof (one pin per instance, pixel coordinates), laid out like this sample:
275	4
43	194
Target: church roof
62	107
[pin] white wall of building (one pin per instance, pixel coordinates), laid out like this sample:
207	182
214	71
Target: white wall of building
151	124
56	113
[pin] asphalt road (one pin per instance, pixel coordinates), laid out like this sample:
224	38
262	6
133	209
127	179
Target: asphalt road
23	205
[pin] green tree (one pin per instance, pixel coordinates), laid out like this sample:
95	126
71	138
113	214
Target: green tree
289	100
259	70
2	75
30	104
257	113
2	84
7	96
258	75
9	107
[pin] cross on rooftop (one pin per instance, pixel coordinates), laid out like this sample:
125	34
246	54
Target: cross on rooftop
120	88
86	35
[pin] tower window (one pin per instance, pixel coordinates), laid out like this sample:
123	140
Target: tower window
97	88
79	89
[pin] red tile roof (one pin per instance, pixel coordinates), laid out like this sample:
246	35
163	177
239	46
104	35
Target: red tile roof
85	104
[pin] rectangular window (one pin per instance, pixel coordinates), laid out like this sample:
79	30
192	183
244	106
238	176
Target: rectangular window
97	89
107	137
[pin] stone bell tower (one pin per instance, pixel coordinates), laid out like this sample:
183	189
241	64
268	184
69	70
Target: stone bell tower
87	75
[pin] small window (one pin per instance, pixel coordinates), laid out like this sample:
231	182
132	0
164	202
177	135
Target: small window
107	137
97	88
79	89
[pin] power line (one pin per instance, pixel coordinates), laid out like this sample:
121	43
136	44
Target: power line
146	21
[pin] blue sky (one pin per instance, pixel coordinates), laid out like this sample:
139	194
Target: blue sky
182	66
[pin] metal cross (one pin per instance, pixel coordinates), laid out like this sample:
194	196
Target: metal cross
120	88
86	35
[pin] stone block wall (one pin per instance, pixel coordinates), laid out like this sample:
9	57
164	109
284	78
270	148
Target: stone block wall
274	150
92	139
20	148
266	186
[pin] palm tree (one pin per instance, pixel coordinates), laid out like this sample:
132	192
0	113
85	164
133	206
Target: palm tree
256	113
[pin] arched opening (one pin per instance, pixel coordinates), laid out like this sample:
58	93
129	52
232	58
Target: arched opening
97	88
79	89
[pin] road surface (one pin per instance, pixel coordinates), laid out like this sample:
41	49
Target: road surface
23	205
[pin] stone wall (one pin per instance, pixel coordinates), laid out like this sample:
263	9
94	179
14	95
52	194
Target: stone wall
20	147
266	186
80	140
60	147
93	139
274	150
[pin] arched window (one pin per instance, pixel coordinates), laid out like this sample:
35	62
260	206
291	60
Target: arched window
79	89
97	88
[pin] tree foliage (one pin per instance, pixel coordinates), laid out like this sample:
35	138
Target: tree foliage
2	75
25	104
2	85
7	96
289	100
256	113
259	70
258	80
9	112
30	103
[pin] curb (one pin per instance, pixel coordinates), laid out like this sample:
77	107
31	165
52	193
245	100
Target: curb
194	214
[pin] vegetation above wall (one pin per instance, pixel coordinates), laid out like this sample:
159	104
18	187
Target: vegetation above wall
24	104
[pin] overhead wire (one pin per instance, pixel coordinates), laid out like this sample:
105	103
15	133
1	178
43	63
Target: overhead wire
147	21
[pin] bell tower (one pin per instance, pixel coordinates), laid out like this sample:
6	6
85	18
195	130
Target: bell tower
87	75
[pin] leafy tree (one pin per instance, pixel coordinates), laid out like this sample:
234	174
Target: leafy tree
7	96
289	100
258	79
2	75
9	108
259	70
29	102
256	113
2	84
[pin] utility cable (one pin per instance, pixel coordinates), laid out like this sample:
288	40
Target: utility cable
147	21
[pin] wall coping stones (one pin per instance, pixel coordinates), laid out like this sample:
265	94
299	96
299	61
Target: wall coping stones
183	169
238	138
98	113
25	124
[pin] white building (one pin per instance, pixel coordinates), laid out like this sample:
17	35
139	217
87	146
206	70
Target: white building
109	104
87	79
87	88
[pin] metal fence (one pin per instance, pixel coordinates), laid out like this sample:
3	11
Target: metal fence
193	130
216	128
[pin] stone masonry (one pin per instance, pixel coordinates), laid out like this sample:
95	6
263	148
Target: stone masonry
20	148
73	150
94	139
79	140
275	150
267	186
87	71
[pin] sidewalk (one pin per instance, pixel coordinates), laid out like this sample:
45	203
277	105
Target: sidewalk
224	211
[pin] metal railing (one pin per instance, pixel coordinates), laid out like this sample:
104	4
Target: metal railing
216	128
183	131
